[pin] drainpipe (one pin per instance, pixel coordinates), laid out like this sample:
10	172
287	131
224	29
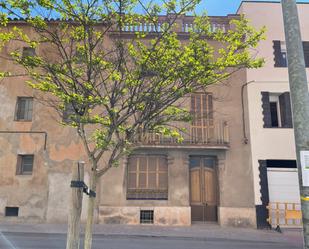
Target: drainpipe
243	111
28	132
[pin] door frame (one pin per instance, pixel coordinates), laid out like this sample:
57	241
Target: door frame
216	187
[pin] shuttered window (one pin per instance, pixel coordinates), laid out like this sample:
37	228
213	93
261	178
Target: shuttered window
280	53
277	110
202	127
147	177
24	108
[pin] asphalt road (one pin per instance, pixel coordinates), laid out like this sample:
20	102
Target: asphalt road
9	240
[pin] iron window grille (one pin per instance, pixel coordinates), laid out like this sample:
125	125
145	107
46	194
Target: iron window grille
146	216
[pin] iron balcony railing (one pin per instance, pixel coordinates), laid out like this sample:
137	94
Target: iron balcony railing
216	134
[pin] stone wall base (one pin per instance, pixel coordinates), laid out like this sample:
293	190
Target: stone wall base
169	216
237	217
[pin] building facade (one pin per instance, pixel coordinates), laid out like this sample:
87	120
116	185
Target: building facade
270	128
205	178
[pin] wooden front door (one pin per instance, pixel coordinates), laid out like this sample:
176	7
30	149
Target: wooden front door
203	189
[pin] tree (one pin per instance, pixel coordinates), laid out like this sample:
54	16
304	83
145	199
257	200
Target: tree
116	84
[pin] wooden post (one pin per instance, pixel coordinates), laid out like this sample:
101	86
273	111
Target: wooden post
75	208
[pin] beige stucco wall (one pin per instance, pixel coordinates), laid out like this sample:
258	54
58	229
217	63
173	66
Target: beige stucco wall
269	143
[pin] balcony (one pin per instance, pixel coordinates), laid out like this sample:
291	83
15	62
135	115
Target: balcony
184	24
214	136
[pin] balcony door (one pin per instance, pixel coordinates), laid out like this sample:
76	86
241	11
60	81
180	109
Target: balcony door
202	128
203	189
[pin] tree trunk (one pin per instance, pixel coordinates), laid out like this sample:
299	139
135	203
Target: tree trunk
90	211
75	208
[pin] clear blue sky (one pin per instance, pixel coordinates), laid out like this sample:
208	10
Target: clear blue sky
222	7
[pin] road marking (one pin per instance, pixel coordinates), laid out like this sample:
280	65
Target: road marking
7	241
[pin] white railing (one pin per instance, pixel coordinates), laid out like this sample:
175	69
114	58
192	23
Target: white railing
188	26
185	24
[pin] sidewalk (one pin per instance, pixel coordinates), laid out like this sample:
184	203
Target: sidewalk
196	231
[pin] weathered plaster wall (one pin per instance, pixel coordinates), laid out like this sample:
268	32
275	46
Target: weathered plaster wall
46	191
48	186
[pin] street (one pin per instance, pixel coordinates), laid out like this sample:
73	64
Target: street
21	240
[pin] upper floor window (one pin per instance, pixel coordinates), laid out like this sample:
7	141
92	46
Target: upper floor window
67	113
276	110
280	53
28	51
202	114
24	106
24	164
147	177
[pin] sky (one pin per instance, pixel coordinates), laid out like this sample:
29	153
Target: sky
222	7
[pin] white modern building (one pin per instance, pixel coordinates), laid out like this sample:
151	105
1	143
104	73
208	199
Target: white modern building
269	132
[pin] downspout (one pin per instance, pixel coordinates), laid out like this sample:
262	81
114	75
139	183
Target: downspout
243	111
29	132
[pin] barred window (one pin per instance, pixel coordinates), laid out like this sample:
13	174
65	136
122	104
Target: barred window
147	177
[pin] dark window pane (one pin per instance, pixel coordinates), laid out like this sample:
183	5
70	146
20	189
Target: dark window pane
11	211
24	108
68	113
27	163
274	114
194	162
28	51
146	217
284	59
24	164
209	162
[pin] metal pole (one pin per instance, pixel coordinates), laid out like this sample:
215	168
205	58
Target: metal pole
300	104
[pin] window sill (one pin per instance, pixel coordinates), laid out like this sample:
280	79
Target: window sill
22	120
278	127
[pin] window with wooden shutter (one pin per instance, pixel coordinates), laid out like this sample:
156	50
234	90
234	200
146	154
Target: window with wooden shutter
147	177
202	128
24	107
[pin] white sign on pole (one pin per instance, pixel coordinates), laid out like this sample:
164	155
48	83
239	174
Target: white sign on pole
304	161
